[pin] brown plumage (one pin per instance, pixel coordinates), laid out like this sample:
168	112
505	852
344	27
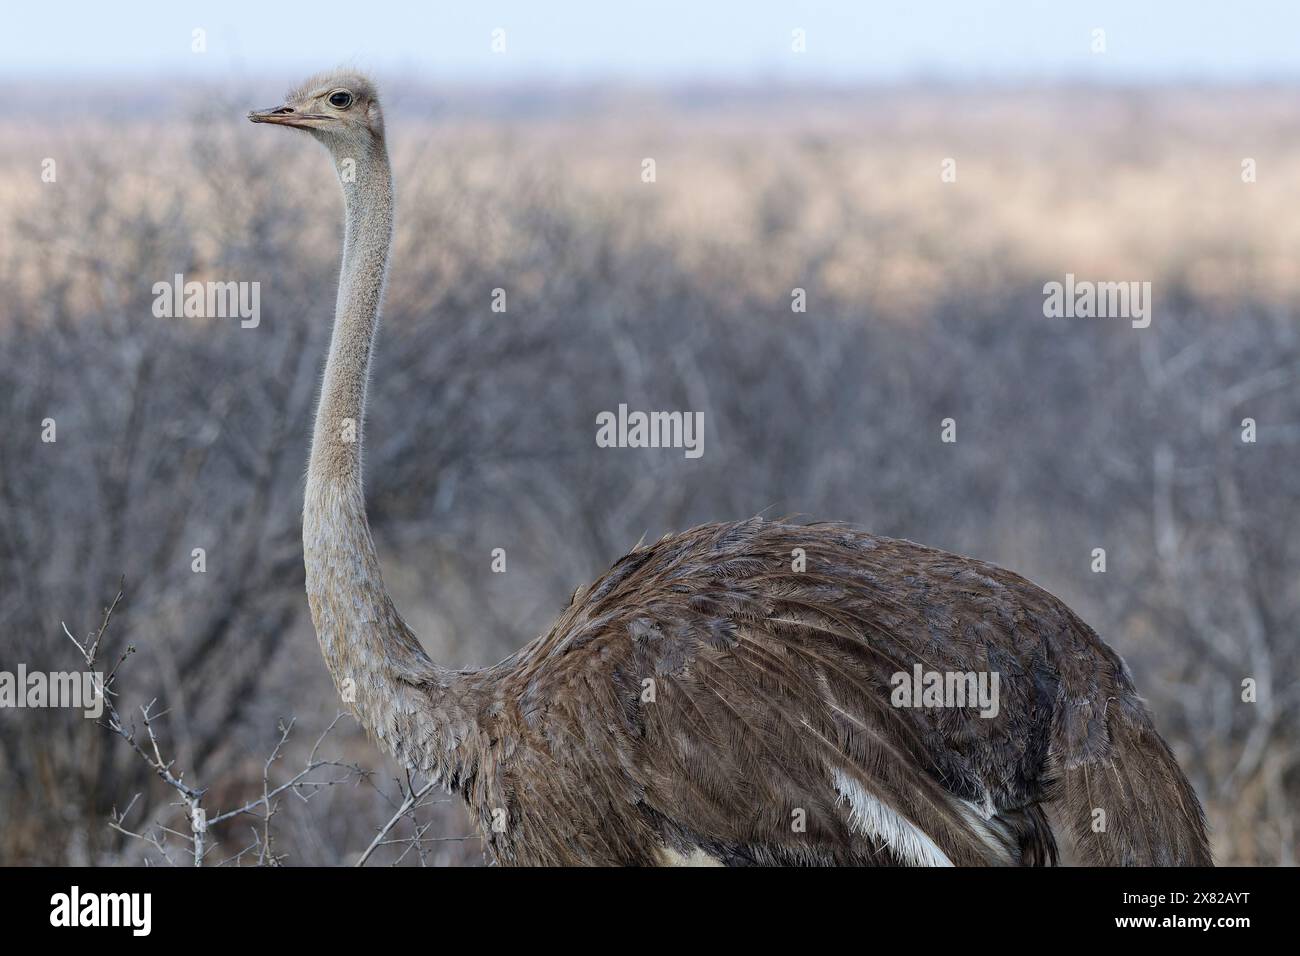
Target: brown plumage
715	698
767	680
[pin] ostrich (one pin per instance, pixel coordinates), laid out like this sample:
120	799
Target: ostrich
710	700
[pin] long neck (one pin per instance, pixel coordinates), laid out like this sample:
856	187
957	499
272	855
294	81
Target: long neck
378	665
368	230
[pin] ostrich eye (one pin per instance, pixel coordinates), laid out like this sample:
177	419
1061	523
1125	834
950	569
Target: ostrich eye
341	99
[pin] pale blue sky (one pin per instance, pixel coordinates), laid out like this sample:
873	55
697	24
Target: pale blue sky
736	40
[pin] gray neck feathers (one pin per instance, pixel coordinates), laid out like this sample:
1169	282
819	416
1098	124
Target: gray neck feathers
415	709
336	443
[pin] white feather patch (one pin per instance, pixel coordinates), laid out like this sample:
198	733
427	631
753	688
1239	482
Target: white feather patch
697	857
877	820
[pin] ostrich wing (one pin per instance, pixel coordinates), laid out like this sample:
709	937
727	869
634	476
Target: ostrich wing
703	700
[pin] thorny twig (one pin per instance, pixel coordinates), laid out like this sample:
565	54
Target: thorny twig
301	784
413	800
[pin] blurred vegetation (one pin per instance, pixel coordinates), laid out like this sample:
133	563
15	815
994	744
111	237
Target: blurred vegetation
924	303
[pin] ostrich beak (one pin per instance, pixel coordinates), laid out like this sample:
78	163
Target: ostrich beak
287	116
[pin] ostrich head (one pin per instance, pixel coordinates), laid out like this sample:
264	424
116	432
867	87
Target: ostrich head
340	109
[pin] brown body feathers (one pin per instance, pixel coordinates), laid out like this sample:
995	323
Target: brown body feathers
703	700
